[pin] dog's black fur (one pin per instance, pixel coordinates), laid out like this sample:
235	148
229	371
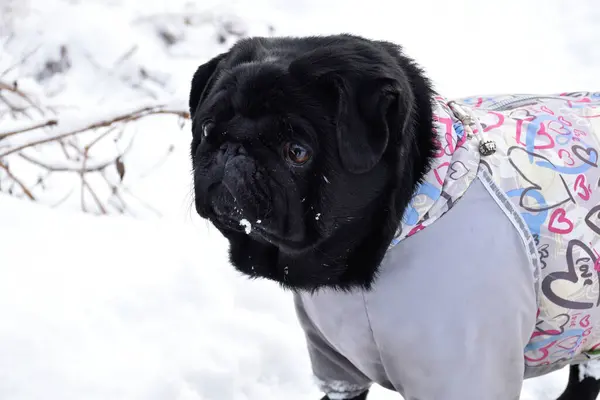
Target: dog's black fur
360	106
318	143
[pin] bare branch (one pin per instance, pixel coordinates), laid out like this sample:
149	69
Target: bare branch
126	56
17	181
14	109
63	147
51	122
159	163
94	196
133	116
76	156
20	62
63	199
93	142
14	88
66	168
142	202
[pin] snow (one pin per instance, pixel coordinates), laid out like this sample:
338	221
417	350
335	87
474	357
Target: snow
590	369
140	307
247	225
114	308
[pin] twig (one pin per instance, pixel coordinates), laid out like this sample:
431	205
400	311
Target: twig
63	147
157	164
83	181
41	179
115	192
126	56
94	196
51	122
10	88
7	39
63	199
64	168
20	62
79	162
148	206
82	191
18	182
74	147
93	142
133	116
13	108
15	89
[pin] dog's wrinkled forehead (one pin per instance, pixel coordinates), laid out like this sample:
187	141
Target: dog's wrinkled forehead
256	77
255	89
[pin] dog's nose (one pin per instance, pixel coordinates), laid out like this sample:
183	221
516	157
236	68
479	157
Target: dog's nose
229	150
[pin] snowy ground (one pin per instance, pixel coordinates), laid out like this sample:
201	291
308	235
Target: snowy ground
147	308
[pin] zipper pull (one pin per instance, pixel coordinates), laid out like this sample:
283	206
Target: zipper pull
460	112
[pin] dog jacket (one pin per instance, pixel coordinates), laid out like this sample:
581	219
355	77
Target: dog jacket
537	157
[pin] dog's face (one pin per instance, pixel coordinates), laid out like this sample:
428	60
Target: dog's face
291	152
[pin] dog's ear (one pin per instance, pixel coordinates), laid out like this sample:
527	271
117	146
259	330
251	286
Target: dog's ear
202	82
366	116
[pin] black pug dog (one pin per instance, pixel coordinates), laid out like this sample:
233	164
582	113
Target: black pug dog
306	152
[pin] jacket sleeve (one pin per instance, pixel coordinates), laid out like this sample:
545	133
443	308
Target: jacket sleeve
334	374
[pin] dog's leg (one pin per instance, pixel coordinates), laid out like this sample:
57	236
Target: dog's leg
583	384
362	396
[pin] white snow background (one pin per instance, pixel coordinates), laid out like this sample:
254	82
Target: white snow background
141	307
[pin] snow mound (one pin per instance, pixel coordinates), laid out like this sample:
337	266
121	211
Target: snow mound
111	308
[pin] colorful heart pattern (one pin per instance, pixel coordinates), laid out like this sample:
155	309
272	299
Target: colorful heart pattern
552	144
545	171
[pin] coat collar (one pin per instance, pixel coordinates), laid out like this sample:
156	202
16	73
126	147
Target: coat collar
454	167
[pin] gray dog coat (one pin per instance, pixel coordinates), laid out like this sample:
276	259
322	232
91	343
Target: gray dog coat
505	286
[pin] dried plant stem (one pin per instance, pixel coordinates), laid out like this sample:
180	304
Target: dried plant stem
133	116
65	168
76	156
94	196
50	122
17	181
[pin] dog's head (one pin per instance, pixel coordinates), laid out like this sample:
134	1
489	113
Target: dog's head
304	154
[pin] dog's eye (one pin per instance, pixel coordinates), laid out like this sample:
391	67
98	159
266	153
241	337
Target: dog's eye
207	127
296	153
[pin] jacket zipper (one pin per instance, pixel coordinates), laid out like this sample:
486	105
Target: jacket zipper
524	100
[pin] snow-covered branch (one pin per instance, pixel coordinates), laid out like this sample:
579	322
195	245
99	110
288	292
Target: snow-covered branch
123	118
65	144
